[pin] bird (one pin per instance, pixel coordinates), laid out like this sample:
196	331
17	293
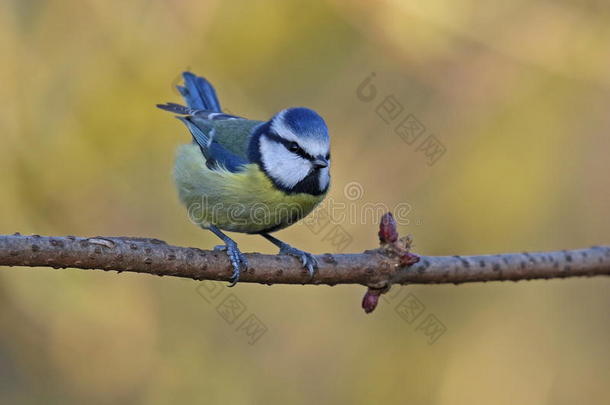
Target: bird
249	176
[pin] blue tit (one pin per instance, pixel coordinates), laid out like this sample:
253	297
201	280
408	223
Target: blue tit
249	176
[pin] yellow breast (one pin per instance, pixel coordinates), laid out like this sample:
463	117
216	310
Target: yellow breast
241	202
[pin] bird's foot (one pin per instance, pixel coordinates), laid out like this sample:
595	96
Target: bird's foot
237	258
307	259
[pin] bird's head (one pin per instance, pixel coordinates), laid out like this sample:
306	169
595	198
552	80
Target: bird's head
293	149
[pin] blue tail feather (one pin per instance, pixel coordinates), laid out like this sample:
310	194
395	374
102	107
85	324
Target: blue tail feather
198	93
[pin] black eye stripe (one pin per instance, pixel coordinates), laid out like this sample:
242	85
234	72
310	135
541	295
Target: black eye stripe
287	144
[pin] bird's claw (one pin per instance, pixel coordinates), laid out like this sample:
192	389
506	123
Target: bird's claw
307	259
237	259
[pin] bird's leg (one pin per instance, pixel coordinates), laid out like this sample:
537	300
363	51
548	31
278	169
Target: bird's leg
238	260
308	260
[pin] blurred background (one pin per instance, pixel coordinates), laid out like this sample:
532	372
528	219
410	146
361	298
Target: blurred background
489	120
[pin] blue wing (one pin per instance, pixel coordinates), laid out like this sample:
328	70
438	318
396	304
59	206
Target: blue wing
202	109
215	154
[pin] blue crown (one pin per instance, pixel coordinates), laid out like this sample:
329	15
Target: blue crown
305	122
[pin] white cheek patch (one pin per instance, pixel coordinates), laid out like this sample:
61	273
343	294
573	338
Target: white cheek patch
324	178
283	166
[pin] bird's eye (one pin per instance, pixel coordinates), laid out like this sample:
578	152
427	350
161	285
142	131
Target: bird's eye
293	147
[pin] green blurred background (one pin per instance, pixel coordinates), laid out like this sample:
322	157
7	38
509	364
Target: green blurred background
517	92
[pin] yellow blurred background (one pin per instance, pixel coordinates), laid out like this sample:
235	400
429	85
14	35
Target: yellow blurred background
516	93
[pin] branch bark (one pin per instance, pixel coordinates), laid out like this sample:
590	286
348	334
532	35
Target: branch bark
376	268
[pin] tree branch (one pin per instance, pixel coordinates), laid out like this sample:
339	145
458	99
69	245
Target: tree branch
376	268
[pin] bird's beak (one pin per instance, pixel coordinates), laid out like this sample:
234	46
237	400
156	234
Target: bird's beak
320	162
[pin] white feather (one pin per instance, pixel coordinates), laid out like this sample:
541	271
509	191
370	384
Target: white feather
323	178
285	167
